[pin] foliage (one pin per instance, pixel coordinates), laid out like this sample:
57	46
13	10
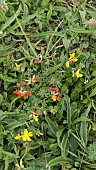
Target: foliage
47	85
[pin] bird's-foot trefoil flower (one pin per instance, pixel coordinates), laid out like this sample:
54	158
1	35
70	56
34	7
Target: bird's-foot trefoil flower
18	137
77	74
26	135
35	118
35	79
67	64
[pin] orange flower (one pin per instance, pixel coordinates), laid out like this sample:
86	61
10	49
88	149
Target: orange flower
58	98
36	79
51	89
26	94
18	93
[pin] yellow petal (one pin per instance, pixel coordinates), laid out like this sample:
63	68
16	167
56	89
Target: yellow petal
26	134
67	64
77	74
75	59
24	138
80	75
18	137
54	98
30	134
72	55
36	118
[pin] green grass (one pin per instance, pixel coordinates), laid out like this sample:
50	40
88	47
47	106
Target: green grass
49	33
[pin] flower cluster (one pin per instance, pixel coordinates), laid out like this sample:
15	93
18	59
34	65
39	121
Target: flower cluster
25	136
56	96
35	115
71	60
22	93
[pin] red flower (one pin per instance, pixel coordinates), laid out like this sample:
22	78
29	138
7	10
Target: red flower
19	85
36	61
56	95
53	89
38	113
26	83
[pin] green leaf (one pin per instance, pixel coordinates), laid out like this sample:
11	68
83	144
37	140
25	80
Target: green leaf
14	125
83	127
6	162
59	160
94	126
7	79
91	166
58	134
93	93
68	111
91	83
81	119
82	15
52	125
66	43
64	144
11	19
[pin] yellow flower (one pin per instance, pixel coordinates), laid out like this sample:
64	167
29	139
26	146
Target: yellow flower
72	55
77	74
67	64
17	66
54	98
75	59
26	135
18	137
36	118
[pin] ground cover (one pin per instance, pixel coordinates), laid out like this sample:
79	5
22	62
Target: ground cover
47	85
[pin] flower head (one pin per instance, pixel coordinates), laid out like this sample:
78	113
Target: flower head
35	118
4	6
26	83
38	133
22	94
19	85
72	60
26	135
18	93
54	98
18	137
35	79
55	93
77	74
67	64
36	61
72	55
17	66
53	89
